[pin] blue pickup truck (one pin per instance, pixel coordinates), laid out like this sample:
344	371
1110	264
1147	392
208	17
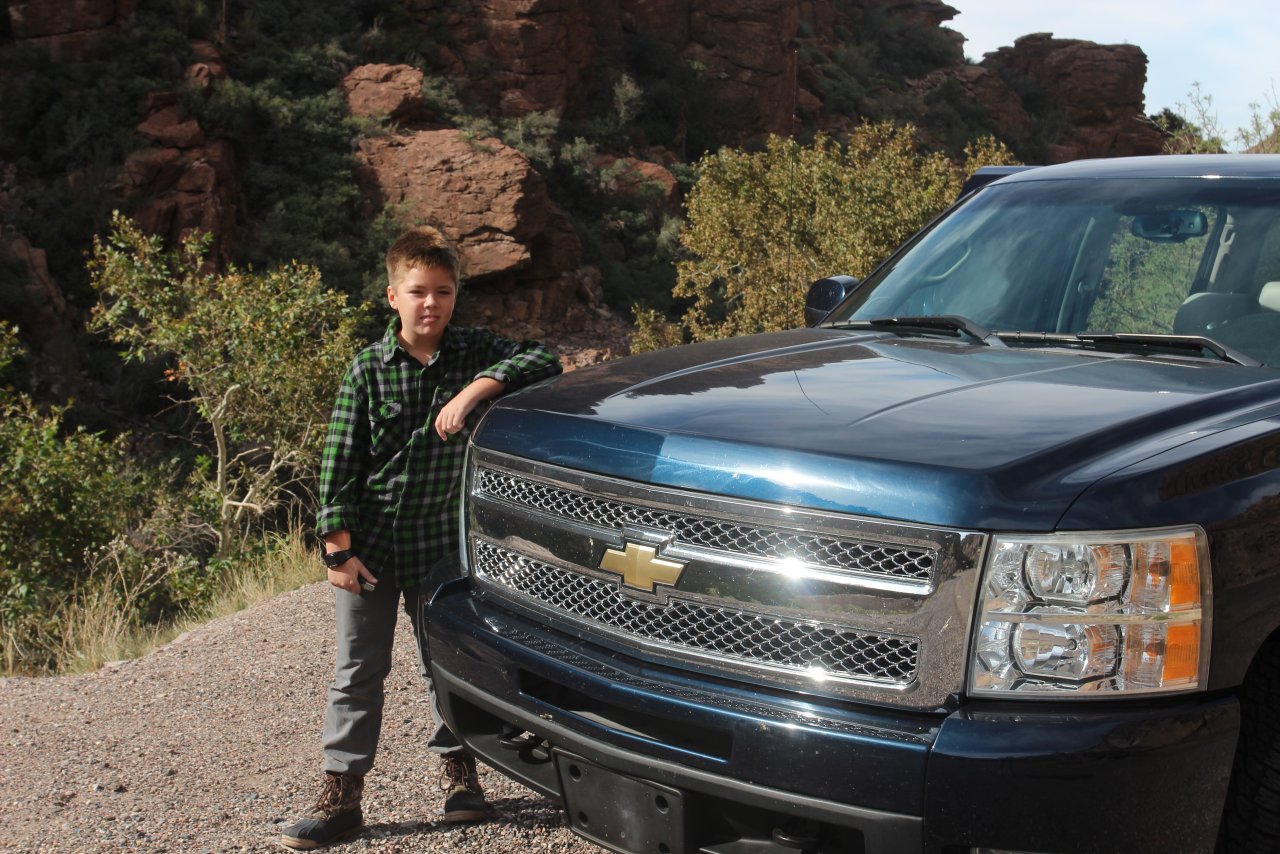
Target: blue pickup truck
985	559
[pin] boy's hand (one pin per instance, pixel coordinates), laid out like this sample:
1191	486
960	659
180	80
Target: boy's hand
351	575
453	415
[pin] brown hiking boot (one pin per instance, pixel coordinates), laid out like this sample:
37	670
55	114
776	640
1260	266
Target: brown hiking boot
464	800
335	817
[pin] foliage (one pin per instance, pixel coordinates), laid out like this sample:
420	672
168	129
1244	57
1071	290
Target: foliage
105	620
653	331
67	126
665	99
298	175
62	494
259	354
1144	282
1194	127
763	225
954	119
1262	136
866	77
627	233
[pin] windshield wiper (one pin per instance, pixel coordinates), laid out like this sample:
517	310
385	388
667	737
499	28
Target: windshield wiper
949	323
1198	344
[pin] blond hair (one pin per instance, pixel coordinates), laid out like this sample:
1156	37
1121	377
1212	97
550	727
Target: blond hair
422	248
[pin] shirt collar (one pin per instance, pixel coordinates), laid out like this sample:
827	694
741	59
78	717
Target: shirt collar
454	339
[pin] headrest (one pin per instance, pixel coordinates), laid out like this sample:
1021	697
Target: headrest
1269	296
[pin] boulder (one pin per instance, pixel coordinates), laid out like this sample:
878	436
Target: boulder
177	191
630	176
169	126
208	67
518	250
393	91
41	311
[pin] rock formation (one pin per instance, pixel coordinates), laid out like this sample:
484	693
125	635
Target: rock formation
68	30
42	313
180	180
393	91
757	60
1097	88
520	256
537	55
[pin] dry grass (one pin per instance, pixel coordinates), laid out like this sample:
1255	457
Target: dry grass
100	625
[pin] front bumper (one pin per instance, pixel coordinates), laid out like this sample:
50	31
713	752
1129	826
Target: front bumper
758	771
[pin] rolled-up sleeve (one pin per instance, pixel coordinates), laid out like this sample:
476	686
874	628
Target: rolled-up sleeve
516	364
343	458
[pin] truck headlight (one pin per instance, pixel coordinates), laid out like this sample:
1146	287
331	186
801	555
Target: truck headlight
1092	614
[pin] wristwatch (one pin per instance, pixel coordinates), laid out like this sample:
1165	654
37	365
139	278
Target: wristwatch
333	560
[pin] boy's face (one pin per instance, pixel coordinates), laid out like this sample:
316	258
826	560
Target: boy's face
424	299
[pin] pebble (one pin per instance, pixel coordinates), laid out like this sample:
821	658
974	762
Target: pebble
212	743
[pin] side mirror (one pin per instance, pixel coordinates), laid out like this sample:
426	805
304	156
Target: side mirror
824	295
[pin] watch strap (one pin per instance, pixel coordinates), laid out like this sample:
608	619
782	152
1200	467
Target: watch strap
333	560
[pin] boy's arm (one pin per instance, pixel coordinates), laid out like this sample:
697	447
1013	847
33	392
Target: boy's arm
511	365
352	573
454	413
516	364
342	459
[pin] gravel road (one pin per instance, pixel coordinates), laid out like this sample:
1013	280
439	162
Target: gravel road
212	743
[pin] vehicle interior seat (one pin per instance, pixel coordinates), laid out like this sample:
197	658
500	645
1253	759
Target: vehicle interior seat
1255	331
1200	313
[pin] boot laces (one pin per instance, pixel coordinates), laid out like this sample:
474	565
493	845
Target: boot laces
458	771
339	793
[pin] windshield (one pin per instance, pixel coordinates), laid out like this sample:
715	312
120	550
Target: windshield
1175	256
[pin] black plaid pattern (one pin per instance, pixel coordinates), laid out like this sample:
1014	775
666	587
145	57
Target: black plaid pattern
385	475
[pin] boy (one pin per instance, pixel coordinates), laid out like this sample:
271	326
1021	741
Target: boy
389	482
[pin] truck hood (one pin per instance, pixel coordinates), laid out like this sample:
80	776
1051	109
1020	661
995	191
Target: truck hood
916	429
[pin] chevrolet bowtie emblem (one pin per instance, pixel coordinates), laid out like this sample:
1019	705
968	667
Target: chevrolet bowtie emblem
641	568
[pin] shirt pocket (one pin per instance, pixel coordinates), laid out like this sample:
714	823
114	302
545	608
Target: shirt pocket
387	433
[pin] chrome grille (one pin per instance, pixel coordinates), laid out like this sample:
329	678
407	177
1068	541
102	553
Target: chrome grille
832	553
704	628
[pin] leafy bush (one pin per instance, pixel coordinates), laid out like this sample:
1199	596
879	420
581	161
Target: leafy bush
259	353
1194	127
866	77
763	225
653	331
62	496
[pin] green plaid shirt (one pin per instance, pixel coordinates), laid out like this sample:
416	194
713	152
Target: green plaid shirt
385	475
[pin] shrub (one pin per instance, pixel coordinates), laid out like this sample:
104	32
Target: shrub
62	495
763	225
259	354
1194	127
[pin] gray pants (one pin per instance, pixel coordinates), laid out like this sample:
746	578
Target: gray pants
353	719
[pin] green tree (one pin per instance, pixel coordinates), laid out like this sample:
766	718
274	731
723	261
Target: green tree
259	354
762	225
1193	128
62	495
1262	136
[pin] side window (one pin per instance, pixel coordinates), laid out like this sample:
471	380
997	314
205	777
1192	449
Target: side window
1144	281
1269	260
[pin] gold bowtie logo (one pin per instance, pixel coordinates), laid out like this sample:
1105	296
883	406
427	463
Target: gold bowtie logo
641	568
